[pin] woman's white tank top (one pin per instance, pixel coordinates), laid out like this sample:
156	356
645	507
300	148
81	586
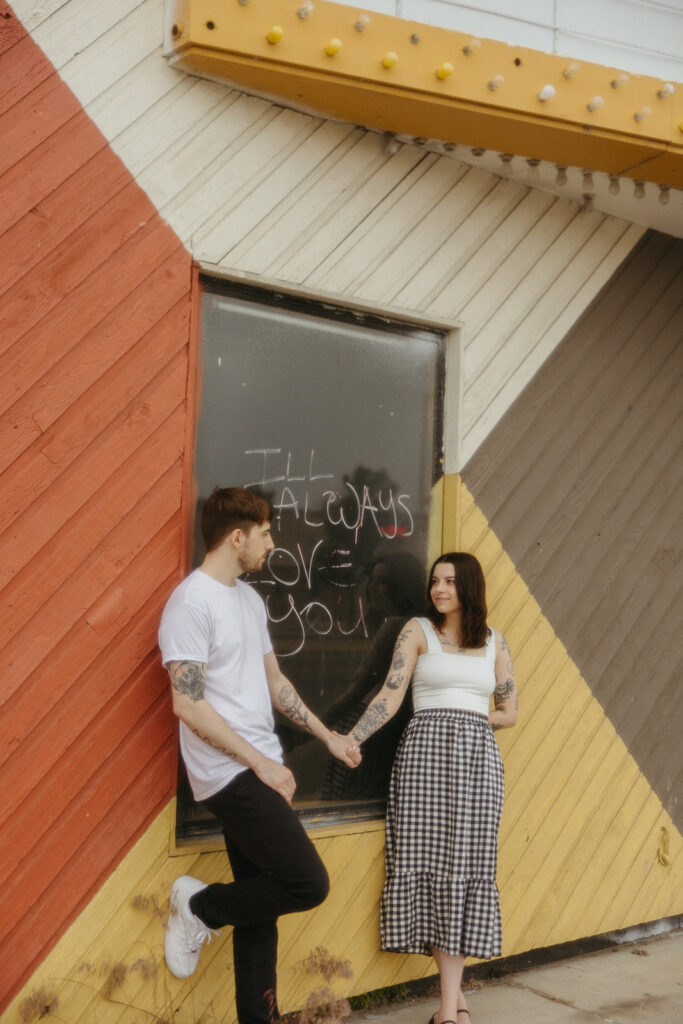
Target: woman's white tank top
463	682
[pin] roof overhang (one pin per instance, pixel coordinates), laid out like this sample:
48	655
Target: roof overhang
400	76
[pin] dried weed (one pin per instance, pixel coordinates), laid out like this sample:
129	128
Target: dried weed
41	1003
323	1006
321	961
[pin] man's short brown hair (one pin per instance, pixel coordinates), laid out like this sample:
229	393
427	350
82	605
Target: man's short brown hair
231	508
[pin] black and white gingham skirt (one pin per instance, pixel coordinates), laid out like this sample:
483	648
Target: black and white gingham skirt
443	811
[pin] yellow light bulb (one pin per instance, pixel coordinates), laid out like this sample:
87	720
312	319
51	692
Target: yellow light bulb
275	35
389	59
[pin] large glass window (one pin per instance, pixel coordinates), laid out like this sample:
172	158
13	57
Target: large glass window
335	417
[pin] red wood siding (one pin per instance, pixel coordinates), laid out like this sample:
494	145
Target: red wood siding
95	355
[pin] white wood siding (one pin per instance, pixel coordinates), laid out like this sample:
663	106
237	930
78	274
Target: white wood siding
641	36
254	188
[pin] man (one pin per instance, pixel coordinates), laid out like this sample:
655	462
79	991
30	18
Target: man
225	682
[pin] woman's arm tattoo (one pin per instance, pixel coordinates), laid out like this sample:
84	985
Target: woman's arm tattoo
502	693
188	678
375	716
395	680
292	705
504	646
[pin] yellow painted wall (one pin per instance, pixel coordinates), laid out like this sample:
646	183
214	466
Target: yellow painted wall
578	856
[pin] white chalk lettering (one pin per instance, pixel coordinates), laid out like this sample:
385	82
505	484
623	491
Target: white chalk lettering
265	452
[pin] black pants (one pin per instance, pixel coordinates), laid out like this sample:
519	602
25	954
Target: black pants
276	870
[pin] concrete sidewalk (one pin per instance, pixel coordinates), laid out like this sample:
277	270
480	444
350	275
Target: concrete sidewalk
637	983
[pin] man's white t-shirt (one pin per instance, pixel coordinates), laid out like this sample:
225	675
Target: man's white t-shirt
226	628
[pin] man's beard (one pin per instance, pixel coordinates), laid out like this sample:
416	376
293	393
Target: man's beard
251	564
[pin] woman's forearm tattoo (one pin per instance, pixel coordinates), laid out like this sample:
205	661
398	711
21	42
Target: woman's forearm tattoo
188	678
375	716
502	693
292	705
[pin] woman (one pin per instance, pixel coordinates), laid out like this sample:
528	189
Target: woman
446	792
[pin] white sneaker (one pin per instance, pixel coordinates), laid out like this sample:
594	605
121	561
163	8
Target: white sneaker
185	933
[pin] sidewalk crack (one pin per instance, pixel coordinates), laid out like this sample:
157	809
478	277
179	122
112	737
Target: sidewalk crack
563	1002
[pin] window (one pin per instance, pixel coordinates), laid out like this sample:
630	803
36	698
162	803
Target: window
335	417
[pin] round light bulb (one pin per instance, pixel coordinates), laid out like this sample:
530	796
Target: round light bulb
334	46
445	70
275	35
389	59
596	103
546	93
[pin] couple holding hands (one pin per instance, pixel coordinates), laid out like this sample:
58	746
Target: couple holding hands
446	792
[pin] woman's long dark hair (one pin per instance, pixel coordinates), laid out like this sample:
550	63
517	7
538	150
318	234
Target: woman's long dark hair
470	587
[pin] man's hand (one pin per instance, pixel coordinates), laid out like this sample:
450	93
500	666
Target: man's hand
345	749
277	776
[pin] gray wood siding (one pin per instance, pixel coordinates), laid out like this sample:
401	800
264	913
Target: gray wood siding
582	482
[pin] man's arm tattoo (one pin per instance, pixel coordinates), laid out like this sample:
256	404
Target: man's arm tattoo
292	705
188	678
216	746
375	716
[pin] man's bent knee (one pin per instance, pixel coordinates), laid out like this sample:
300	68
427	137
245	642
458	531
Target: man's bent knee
315	889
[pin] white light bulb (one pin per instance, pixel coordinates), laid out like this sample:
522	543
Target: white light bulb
546	93
597	103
